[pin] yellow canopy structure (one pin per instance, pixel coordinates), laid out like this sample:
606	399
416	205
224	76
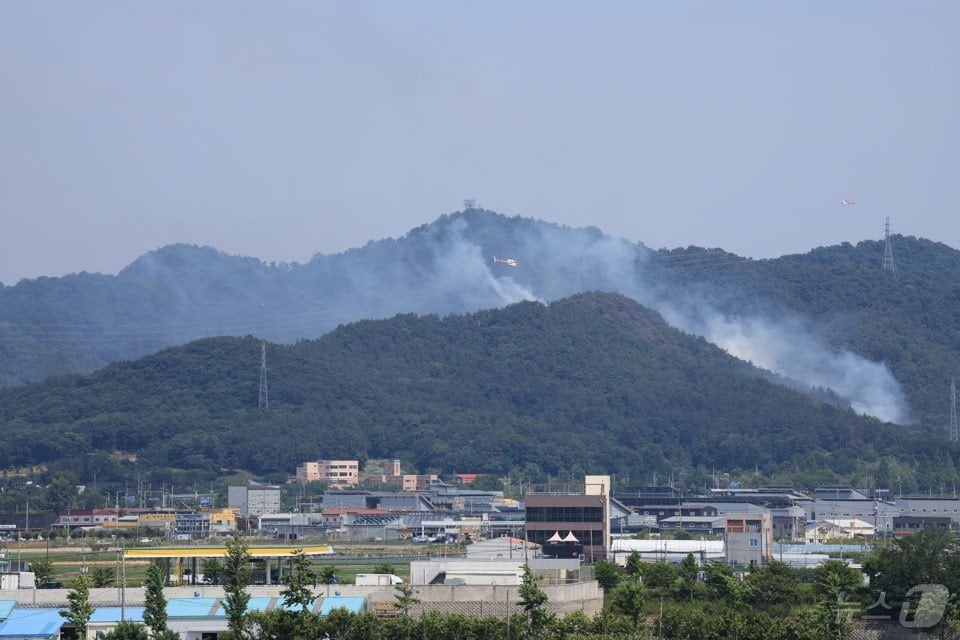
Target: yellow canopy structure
221	552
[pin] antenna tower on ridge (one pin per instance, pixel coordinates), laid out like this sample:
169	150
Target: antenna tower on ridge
264	399
888	251
954	432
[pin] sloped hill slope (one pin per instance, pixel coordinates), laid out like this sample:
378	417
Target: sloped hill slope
828	319
594	383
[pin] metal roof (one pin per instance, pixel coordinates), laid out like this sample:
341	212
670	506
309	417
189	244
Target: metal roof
353	604
20	622
221	552
116	614
192	607
31	623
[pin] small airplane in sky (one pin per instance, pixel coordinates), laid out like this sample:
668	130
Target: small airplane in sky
510	262
846	202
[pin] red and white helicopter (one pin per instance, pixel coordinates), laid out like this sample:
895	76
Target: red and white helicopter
846	202
510	262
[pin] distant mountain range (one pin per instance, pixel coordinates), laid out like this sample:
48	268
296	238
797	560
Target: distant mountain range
592	383
827	321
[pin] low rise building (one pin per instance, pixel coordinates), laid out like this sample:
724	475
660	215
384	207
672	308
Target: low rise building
905	525
930	507
748	539
838	529
254	499
578	509
335	473
408	481
86	518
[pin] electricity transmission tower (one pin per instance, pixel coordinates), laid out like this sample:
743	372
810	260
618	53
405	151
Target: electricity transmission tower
888	251
954	432
264	399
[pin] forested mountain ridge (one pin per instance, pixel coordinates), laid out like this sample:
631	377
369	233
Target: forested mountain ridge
908	319
594	383
829	319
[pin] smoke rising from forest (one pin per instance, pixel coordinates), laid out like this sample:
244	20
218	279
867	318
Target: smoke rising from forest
789	348
556	262
179	293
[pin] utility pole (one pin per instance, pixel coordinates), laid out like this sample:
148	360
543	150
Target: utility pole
264	402
123	584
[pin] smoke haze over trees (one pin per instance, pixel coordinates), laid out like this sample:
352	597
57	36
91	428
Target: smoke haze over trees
826	320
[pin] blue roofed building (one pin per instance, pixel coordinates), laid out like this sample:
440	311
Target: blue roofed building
191	618
16	623
353	604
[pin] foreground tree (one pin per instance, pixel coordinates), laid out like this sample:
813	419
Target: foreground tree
42	571
236	571
155	607
634	566
298	595
660	575
327	575
102	577
211	568
721	583
127	631
689	568
533	599
607	574
628	598
404	598
79	610
930	556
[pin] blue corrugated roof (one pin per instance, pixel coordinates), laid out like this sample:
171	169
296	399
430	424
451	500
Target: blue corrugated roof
295	607
113	614
44	623
353	604
257	604
31	623
192	607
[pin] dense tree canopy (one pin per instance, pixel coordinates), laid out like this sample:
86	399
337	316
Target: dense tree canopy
594	383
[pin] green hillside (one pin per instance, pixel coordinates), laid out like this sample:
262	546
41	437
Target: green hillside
909	320
594	383
830	314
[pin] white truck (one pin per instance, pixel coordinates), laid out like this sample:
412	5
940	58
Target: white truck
377	580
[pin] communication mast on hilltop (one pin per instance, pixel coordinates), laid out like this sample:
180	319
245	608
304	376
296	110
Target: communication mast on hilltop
888	251
954	432
264	402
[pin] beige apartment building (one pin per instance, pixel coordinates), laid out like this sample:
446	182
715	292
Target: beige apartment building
336	473
408	481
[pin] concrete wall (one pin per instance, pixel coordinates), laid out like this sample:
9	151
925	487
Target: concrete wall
584	596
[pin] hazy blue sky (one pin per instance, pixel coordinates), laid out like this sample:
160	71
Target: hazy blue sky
282	129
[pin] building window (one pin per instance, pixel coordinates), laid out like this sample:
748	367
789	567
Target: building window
754	542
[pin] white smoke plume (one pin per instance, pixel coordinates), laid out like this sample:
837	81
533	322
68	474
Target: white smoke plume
789	348
463	269
571	260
